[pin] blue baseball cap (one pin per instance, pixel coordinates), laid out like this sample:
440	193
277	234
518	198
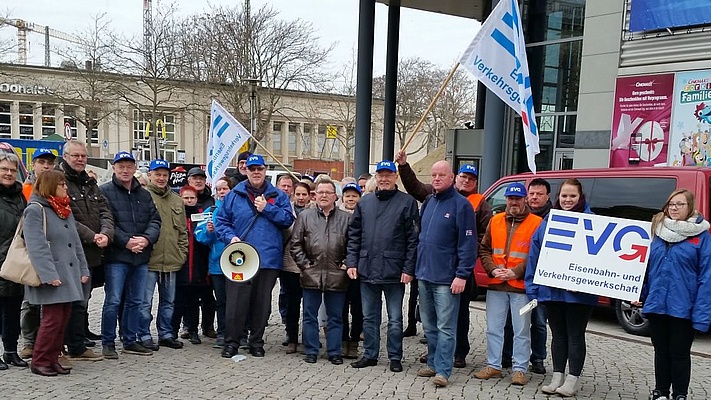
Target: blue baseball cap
255	160
386	165
469	169
42	153
157	164
515	189
352	186
123	155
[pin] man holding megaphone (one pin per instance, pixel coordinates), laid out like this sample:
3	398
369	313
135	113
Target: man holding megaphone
255	212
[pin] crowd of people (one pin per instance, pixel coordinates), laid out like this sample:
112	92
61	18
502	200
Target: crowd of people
335	259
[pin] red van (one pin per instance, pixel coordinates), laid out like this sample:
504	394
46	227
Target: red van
634	193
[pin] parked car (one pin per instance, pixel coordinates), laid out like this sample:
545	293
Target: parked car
633	193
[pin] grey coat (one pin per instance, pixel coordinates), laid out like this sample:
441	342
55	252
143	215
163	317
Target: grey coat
59	256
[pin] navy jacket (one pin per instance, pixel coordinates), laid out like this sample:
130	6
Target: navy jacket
448	239
238	211
678	280
134	214
382	237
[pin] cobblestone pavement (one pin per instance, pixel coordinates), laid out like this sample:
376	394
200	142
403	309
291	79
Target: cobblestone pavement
615	369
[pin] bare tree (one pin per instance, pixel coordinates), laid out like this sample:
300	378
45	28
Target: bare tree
91	95
150	86
230	47
418	82
7	46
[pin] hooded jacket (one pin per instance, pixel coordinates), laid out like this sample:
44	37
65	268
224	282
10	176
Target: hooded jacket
171	250
265	234
678	280
134	214
91	211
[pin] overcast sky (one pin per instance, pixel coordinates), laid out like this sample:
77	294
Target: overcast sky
431	36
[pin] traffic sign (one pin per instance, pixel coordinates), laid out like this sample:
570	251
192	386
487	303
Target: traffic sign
67	131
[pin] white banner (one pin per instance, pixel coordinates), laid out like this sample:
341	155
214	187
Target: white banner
594	254
497	58
226	136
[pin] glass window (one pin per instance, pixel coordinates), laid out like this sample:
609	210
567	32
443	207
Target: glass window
546	20
496	199
306	140
565	129
555	75
70	113
276	137
169	155
142	119
48	119
293	131
5	120
632	198
321	141
27	128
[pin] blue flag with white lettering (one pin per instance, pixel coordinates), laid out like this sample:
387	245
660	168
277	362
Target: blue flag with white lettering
497	58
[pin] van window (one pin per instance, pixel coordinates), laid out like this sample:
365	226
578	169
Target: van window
633	198
496	199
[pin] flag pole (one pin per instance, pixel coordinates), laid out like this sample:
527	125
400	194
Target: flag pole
429	108
276	159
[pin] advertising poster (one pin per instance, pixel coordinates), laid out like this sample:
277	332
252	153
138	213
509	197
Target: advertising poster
689	143
652	15
641	120
594	254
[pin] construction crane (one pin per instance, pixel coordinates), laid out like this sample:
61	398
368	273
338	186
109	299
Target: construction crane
24	26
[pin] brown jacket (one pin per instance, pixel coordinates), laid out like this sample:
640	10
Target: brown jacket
318	245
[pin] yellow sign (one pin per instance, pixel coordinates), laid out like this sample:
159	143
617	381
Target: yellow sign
245	147
331	132
160	124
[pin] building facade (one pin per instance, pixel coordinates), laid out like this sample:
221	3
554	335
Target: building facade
36	102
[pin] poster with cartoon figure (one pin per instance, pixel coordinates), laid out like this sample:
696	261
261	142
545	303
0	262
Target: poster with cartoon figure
641	119
690	141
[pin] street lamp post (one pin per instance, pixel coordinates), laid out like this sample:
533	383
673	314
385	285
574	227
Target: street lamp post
253	83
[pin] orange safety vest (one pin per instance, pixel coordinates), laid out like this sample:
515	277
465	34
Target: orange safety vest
27	190
518	248
475	199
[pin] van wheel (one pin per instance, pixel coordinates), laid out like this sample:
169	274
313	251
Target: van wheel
631	319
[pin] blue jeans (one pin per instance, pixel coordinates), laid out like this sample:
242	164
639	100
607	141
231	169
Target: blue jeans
166	297
334	310
497	309
371	296
438	311
133	278
539	332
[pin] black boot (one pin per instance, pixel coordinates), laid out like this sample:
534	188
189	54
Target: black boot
14	359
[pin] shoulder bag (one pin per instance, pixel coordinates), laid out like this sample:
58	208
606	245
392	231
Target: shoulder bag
17	266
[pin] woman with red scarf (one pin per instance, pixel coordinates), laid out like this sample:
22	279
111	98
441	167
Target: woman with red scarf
61	267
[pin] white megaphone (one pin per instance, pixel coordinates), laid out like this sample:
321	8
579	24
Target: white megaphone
239	262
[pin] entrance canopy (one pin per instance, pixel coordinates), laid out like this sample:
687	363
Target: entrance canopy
460	8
